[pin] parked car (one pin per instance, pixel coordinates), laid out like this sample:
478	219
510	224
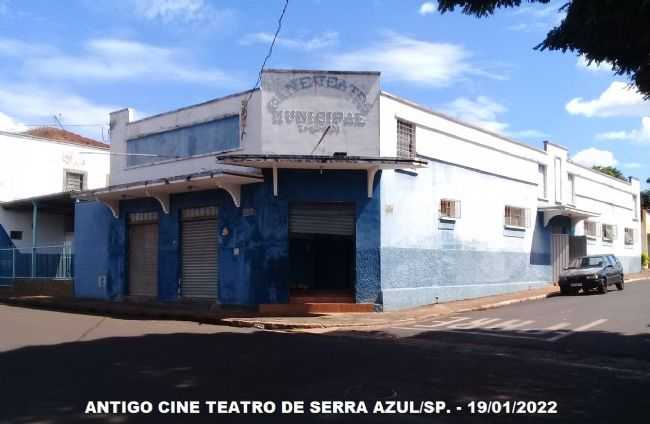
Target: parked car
592	272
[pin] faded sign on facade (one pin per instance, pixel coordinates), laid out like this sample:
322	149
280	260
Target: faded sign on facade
299	107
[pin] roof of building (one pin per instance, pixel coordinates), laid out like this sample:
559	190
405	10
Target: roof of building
57	134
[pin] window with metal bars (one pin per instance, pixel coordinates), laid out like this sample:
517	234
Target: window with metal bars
591	229
449	208
629	236
405	139
609	232
74	181
516	217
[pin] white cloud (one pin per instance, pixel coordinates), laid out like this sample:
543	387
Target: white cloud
619	99
640	135
402	58
426	8
592	156
632	165
7	123
484	112
538	18
593	67
181	11
114	59
33	104
481	112
319	41
10	47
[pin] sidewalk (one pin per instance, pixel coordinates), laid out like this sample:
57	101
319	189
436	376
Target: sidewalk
248	318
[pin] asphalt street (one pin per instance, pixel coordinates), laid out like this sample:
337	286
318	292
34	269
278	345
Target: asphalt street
52	364
616	324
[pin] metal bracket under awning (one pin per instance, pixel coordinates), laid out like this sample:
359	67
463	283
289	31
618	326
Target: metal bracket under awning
162	189
568	211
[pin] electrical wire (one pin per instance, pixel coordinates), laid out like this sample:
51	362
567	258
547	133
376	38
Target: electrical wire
269	53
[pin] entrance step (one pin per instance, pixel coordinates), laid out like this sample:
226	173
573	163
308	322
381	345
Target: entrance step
315	308
321	296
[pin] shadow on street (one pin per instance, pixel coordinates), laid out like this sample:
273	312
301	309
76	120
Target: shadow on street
53	383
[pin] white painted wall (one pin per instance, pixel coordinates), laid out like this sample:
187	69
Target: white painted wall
50	227
410	204
31	166
124	128
501	173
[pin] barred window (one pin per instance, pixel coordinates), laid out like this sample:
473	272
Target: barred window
591	229
449	208
74	181
629	236
405	139
609	232
516	217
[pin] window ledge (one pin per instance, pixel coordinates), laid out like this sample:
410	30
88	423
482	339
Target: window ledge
447	218
542	199
591	237
514	227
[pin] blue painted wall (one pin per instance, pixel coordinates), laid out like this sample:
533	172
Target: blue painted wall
259	272
425	259
208	137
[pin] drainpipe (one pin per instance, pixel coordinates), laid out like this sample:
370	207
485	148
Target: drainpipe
34	227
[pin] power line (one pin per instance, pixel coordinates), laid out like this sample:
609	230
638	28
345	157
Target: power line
244	111
270	52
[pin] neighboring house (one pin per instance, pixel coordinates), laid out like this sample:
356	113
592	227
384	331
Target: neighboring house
321	187
38	171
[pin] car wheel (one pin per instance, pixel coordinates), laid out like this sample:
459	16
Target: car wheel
602	287
620	285
564	291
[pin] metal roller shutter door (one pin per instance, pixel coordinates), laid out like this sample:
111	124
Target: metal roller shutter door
143	259
200	274
322	218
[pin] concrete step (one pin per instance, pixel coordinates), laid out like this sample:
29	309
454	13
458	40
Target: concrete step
314	308
322	299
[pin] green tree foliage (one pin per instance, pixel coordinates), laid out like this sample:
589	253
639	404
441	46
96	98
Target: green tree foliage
610	170
616	32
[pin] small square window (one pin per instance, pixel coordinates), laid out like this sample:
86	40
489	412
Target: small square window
516	217
74	181
449	208
16	235
609	232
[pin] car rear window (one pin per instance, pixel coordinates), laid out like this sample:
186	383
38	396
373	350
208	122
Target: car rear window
590	262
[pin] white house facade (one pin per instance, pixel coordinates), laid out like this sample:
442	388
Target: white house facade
320	186
37	175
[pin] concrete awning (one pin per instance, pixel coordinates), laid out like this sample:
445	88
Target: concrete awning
318	162
56	203
160	189
551	212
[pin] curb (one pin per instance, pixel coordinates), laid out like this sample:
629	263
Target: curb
303	326
210	318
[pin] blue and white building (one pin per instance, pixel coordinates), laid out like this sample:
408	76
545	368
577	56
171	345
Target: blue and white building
319	184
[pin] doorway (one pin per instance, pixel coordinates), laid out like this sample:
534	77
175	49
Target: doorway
322	249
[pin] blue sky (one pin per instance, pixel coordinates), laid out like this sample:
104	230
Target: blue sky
81	59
